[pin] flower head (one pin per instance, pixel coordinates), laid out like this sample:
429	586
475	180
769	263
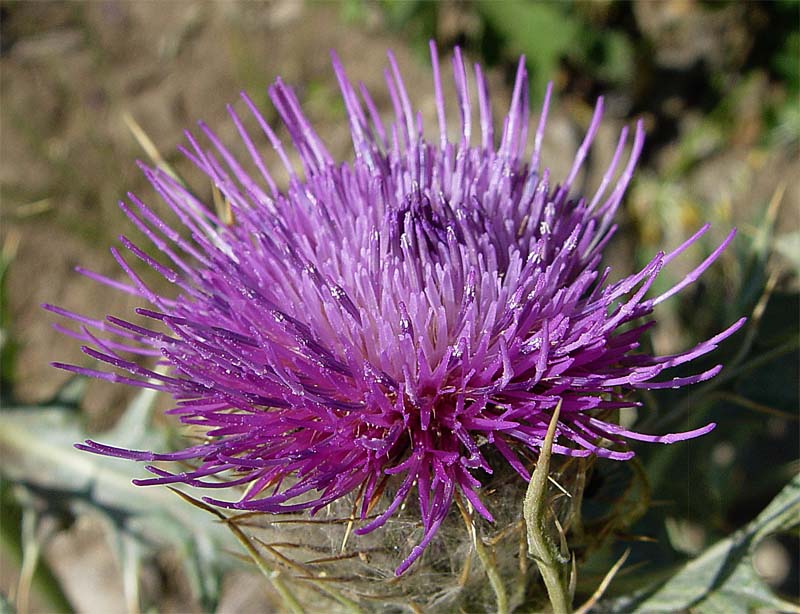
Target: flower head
392	317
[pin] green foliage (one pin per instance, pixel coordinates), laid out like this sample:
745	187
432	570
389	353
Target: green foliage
786	61
722	579
545	32
6	607
416	18
54	480
15	547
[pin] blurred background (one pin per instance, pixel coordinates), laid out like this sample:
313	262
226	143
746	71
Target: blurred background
716	84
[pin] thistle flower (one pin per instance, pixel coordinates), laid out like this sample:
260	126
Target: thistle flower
391	318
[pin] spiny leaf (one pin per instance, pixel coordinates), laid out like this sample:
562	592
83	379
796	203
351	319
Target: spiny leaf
722	579
12	539
43	461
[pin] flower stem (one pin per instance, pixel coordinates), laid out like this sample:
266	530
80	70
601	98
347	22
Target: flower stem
550	561
273	576
487	558
489	565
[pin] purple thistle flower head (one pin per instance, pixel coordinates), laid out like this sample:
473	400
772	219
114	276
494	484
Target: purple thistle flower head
390	318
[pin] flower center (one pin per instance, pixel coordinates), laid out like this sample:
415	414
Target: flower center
417	223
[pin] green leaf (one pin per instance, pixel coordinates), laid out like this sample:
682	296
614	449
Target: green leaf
43	581
543	31
140	520
722	579
6	606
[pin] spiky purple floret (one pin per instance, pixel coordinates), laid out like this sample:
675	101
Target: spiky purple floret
382	317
